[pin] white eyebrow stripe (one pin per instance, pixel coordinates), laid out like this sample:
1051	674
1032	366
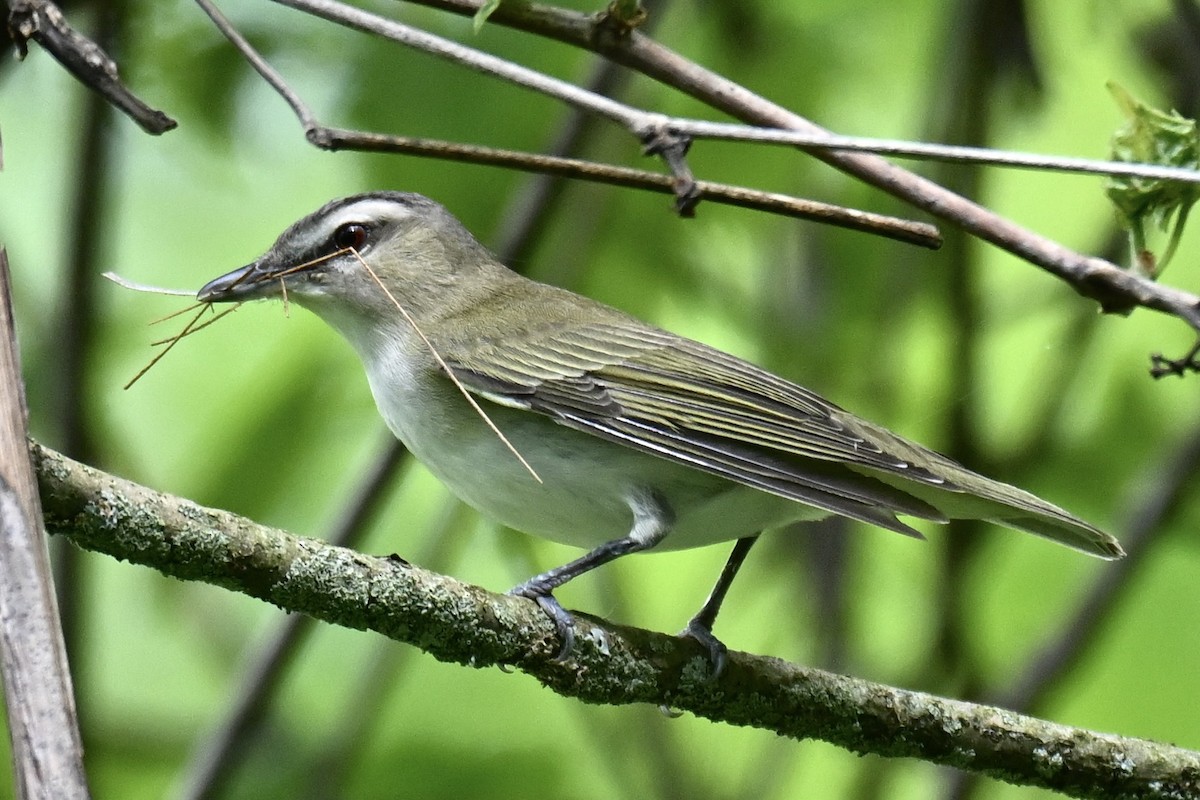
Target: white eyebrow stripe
367	210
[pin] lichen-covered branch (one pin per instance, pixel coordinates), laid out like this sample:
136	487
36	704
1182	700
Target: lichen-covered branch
611	664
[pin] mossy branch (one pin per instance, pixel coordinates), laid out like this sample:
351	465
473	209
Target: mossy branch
453	621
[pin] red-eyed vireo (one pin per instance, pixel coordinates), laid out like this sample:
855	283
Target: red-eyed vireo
638	438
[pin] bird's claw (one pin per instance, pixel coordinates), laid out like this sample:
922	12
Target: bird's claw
562	619
717	652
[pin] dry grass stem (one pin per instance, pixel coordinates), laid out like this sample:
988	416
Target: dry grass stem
445	368
171	343
199	327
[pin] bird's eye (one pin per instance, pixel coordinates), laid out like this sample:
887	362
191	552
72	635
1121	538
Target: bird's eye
351	236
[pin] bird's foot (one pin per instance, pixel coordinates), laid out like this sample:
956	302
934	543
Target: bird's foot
562	619
717	652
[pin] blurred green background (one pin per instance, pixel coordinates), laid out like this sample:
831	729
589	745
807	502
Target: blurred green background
968	350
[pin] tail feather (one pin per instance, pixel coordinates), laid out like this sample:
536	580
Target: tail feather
1072	532
968	495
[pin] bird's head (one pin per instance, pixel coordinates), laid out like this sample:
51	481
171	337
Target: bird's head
355	258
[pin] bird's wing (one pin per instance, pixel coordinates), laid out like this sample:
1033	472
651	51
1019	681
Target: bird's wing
686	402
689	403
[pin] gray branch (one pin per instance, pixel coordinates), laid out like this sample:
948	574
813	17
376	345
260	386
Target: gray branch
43	21
643	124
329	138
1116	290
47	752
615	664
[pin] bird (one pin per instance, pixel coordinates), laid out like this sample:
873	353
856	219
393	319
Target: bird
568	419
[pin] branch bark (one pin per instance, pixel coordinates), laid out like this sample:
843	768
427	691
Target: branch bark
1116	290
44	22
615	664
329	138
46	747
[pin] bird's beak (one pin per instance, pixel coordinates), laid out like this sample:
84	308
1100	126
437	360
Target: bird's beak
247	283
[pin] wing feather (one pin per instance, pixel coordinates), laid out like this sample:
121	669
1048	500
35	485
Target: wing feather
686	402
676	383
859	497
681	401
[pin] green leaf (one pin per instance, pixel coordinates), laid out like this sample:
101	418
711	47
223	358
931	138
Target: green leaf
485	11
628	12
1152	136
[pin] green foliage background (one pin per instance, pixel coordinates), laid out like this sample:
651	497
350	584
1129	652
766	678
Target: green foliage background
969	350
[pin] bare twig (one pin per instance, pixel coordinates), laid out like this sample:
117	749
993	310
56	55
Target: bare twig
651	127
642	124
1115	289
917	233
328	138
1161	366
46	747
616	664
928	151
43	21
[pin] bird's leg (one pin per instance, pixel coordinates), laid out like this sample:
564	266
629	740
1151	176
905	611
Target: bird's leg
652	518
700	626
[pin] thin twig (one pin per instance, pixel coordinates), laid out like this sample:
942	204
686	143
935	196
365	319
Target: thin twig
327	138
260	64
928	151
43	21
1116	290
640	123
647	125
918	233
